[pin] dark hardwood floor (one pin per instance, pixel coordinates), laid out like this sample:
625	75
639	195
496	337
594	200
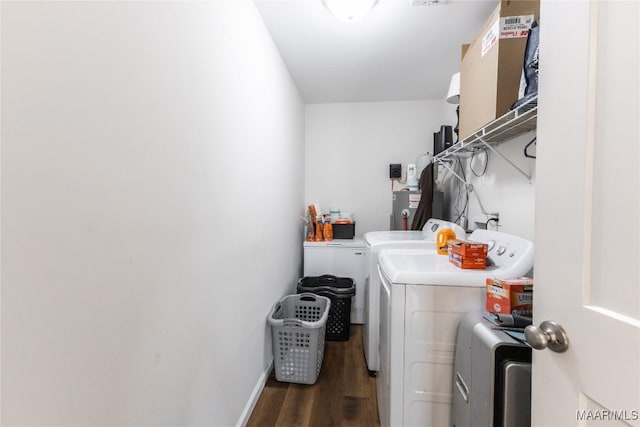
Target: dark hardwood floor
344	394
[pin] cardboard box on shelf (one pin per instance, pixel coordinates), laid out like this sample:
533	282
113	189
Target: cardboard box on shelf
491	67
510	296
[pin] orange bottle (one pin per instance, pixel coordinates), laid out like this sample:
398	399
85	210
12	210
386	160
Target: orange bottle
312	226
328	231
312	233
319	234
442	238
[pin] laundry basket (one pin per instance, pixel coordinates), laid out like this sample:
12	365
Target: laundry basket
297	329
339	290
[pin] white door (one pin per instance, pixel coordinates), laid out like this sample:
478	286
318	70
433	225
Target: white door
587	214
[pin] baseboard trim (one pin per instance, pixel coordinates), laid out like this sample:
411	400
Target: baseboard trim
255	395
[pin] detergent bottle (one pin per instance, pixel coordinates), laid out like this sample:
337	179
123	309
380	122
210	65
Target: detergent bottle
442	238
327	230
319	226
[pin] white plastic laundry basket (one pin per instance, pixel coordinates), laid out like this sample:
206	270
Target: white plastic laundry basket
297	328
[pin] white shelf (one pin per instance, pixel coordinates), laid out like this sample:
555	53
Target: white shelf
515	122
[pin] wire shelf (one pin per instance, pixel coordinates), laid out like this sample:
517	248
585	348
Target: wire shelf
514	123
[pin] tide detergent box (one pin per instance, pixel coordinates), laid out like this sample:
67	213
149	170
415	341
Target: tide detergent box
467	254
468	262
510	296
468	248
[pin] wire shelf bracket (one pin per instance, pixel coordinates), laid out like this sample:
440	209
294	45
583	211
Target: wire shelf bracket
503	157
513	123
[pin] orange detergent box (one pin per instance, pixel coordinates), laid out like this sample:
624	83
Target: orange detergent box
467	248
510	296
467	254
468	261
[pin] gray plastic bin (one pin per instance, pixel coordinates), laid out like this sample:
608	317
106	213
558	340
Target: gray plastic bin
297	329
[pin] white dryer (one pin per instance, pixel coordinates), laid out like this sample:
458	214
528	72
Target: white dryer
375	241
423	297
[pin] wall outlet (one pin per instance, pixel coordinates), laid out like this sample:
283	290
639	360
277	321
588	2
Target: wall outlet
395	170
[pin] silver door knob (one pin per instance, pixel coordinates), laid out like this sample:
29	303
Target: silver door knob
549	334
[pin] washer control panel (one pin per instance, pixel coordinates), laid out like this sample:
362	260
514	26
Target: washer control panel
504	249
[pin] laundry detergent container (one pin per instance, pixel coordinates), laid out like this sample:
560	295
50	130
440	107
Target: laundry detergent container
339	290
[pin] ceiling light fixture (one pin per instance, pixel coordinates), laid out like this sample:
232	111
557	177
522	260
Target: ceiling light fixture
349	10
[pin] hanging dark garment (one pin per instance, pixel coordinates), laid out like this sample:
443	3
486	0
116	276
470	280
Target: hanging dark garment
425	207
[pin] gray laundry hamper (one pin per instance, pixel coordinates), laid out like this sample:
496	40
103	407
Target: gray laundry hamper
298	324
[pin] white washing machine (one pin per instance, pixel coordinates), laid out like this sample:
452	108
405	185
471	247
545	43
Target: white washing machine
376	241
342	258
423	297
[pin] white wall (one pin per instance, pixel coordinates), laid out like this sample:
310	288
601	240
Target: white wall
141	150
501	189
349	148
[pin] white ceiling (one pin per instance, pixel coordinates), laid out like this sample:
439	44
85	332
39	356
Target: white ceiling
397	52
